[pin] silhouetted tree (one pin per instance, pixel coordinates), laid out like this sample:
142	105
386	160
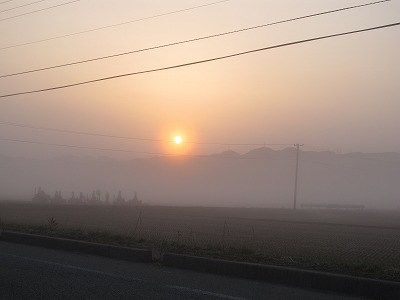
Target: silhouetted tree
119	200
107	195
41	197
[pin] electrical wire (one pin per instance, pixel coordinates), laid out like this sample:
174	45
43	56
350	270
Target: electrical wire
202	61
240	157
39	10
6	1
16	7
82	147
115	25
130	137
79	132
196	39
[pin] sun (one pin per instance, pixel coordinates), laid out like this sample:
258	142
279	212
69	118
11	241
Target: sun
178	139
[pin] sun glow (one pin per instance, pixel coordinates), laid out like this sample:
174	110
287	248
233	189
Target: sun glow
178	139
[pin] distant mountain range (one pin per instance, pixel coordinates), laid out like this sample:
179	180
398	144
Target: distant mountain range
262	177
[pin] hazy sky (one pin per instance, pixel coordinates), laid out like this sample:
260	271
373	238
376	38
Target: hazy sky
340	94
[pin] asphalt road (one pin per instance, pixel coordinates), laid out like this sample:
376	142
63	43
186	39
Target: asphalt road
37	273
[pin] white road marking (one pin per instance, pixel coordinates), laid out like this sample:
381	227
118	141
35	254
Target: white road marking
176	287
223	296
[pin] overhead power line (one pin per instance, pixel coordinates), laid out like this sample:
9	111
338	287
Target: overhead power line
39	10
126	150
81	147
115	25
202	61
6	1
196	39
79	132
16	7
130	137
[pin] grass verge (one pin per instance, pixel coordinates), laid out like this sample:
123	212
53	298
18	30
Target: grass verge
239	253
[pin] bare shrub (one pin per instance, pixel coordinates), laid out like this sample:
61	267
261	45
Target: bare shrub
52	224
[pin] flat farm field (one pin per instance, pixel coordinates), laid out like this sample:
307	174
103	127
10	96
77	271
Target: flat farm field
355	242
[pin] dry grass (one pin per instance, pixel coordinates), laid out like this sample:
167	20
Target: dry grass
363	243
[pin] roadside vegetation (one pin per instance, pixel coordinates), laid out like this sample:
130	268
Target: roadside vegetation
221	249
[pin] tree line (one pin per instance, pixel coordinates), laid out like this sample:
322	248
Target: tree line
40	196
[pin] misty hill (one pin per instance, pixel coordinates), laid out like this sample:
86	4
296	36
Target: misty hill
262	177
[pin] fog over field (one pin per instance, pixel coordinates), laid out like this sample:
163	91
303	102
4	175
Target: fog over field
259	178
179	101
261	131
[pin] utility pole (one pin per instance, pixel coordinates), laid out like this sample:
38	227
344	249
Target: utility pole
297	171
